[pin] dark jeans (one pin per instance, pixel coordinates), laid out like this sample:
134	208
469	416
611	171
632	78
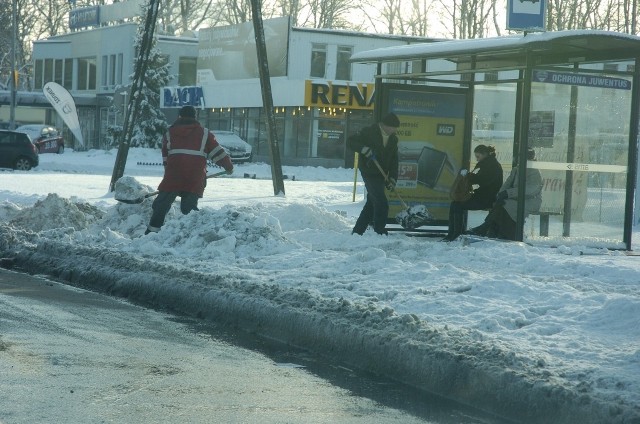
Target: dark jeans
456	215
162	204
376	209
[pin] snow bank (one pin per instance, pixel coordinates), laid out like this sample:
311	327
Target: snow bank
533	334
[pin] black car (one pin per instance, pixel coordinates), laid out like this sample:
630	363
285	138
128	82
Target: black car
17	151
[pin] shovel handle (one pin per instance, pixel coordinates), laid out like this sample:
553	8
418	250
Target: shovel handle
386	179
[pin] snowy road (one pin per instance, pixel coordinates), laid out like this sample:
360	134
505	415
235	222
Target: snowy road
72	356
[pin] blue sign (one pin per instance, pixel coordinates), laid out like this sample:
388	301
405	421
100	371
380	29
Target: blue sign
84	17
182	96
526	15
583	80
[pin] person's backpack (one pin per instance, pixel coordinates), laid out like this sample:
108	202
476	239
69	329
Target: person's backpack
461	189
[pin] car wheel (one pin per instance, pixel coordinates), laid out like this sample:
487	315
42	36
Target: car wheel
22	164
60	149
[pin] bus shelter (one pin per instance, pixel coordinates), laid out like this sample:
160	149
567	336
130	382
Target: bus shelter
571	96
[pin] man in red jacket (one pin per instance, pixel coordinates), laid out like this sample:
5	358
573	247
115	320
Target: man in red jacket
186	147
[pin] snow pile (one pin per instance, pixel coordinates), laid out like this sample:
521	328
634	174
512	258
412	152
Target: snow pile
55	212
128	188
227	234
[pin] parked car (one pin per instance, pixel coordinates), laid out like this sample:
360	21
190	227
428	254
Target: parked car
17	151
239	150
46	138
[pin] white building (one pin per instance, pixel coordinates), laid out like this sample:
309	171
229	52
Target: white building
95	65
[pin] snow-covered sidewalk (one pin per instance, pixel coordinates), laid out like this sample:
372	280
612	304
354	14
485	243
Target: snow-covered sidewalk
534	333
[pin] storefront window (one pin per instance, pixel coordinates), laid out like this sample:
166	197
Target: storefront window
38	74
68	74
187	71
343	65
318	61
86	73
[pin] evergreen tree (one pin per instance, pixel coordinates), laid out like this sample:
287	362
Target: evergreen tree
151	124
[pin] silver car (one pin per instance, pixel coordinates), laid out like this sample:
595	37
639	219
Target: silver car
239	150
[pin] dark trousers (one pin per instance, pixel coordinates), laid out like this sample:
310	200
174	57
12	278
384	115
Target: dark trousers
500	225
456	215
376	209
162	205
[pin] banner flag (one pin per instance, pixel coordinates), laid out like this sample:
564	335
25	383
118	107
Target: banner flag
62	101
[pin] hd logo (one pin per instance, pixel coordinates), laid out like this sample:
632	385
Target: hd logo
446	129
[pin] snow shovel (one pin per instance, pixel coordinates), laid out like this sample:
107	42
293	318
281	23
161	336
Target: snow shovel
411	217
146	196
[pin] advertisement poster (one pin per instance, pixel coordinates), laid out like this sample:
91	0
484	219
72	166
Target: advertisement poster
229	52
431	145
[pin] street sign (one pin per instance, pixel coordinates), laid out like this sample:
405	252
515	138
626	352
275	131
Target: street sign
526	15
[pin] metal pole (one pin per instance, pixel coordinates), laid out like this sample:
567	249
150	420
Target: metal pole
632	171
523	145
634	19
14	41
136	87
267	98
571	155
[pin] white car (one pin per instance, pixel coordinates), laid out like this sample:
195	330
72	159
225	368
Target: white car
239	150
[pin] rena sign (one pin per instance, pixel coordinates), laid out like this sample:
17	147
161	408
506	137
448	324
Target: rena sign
340	95
526	15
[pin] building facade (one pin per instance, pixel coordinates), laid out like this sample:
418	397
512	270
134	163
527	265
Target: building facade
95	65
319	95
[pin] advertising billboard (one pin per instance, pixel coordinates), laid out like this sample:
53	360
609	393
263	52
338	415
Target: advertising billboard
431	144
229	52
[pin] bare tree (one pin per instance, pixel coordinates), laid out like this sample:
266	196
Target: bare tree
467	18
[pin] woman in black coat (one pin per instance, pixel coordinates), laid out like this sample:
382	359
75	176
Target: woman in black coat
487	175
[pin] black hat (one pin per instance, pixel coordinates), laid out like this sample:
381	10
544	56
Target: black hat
187	112
391	120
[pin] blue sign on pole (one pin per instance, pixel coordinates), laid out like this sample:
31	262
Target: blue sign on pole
526	15
84	17
182	96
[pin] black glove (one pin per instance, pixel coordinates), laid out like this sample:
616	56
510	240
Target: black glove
367	152
502	196
390	184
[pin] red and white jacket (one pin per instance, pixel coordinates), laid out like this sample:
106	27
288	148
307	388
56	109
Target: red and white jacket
186	147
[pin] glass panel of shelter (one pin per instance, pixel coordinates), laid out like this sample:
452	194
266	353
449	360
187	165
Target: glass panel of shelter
579	128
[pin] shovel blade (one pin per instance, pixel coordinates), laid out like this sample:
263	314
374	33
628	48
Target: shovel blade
414	217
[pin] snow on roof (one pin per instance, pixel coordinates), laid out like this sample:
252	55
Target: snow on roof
544	41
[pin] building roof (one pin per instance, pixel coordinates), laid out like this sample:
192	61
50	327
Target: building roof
405	38
579	44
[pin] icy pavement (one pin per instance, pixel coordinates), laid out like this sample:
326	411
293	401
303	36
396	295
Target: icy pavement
71	356
533	333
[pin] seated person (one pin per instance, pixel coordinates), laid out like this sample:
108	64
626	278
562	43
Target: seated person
487	175
501	220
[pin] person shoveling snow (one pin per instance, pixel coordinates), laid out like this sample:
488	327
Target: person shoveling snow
377	146
186	147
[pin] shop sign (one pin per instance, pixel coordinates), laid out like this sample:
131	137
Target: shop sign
339	95
84	17
181	96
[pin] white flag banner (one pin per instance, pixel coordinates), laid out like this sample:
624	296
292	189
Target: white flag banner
62	101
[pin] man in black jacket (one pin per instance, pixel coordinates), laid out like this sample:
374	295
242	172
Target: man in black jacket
377	142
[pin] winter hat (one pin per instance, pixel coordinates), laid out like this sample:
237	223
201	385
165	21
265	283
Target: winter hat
391	120
187	112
